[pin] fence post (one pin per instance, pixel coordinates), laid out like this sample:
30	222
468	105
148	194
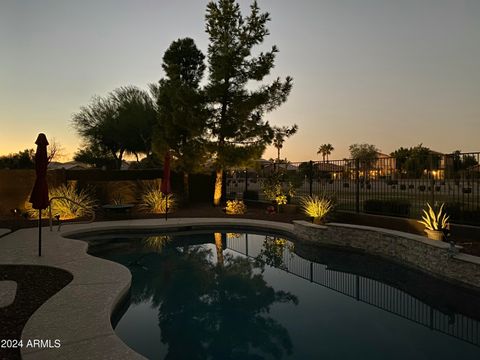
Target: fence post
432	185
357	287
224	185
246	180
432	178
357	185
310	178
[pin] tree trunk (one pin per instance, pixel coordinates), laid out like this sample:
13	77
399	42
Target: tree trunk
217	194
186	188
219	247
119	160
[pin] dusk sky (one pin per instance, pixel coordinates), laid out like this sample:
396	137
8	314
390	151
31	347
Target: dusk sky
388	72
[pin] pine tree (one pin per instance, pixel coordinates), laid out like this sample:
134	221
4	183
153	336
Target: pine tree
238	131
182	116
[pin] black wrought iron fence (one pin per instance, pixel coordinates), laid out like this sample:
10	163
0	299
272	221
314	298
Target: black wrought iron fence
369	291
385	185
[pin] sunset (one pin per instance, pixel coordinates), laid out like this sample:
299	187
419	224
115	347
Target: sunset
240	179
384	72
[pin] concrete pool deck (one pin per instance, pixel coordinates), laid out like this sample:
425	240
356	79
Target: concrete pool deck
79	315
4	232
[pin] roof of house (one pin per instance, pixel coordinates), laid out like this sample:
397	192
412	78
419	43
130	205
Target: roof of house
69	165
325	166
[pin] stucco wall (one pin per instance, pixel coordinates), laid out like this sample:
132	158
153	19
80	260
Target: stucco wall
16	186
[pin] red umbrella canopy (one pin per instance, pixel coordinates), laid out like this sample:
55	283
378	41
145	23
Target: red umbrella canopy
165	187
39	196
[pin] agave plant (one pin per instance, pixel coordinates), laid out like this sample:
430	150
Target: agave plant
434	221
316	207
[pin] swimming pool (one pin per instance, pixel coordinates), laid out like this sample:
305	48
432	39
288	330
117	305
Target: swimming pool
237	295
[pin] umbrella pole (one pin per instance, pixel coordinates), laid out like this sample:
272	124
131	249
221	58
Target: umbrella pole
40	232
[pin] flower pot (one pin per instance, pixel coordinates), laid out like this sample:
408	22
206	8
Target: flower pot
318	221
435	234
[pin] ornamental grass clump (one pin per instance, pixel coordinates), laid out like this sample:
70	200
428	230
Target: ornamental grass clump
235	207
435	222
316	207
82	203
154	201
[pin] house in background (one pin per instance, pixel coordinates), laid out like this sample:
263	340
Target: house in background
69	165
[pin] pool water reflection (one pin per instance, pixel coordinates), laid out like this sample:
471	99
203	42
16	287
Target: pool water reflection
249	296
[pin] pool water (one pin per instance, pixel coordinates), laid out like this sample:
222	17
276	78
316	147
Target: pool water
228	295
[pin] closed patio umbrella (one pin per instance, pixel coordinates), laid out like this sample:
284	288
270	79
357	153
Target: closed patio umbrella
39	197
165	187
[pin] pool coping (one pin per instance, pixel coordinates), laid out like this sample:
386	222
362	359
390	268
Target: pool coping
99	286
4	231
437	258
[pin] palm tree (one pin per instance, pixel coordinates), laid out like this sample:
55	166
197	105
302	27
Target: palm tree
280	134
325	150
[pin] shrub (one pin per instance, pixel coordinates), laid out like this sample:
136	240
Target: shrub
83	203
154	201
387	207
316	207
275	189
235	207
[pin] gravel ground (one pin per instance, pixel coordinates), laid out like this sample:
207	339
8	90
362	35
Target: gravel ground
35	285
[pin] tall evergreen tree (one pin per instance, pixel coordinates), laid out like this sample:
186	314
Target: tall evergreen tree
238	131
181	108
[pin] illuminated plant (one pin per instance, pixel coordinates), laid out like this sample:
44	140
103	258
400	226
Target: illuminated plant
154	201
82	203
434	221
281	199
232	236
316	207
235	207
277	190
